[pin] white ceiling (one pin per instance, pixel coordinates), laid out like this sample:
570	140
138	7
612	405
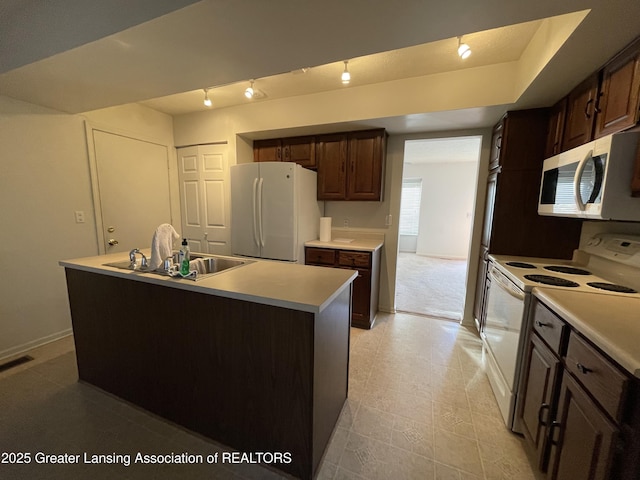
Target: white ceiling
494	46
77	56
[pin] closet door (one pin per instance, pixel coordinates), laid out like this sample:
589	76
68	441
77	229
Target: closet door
203	172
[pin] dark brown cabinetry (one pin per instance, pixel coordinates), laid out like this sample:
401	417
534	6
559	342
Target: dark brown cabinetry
581	113
364	301
635	181
300	150
556	128
251	376
267	150
332	157
606	102
350	165
512	225
579	410
618	98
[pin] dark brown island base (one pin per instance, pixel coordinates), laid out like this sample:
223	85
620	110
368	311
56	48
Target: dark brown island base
255	358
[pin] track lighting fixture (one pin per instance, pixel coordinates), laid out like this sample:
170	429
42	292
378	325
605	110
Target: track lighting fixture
249	92
463	49
207	100
346	76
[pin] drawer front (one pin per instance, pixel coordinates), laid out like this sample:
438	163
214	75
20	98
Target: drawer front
606	383
549	327
354	259
320	256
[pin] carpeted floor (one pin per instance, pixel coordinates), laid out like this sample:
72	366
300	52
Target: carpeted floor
430	285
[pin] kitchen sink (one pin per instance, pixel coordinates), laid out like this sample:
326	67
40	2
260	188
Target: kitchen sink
202	266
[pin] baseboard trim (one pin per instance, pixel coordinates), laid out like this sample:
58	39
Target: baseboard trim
25	347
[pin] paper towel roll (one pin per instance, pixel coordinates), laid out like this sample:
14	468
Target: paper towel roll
325	229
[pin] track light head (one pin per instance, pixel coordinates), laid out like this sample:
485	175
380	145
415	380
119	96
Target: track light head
346	76
249	92
207	101
464	51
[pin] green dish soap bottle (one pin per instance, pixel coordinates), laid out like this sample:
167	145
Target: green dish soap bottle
184	258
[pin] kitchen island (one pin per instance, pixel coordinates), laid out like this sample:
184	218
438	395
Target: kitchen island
255	357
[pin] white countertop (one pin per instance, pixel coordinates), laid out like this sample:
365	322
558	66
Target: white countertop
611	322
350	240
297	287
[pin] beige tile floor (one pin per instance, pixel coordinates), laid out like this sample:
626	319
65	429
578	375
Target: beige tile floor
419	407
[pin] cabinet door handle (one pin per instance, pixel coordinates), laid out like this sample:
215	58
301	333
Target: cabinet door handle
552	429
279	153
582	369
543	407
596	109
586	108
542	324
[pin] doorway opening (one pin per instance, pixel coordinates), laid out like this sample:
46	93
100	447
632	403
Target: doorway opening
436	215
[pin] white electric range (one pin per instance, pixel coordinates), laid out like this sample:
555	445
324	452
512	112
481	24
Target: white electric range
609	264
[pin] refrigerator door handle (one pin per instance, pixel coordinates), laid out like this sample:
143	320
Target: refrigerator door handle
255	213
260	185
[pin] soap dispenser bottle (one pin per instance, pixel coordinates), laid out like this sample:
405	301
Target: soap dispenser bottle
184	258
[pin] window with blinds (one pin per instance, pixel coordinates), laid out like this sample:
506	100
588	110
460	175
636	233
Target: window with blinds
410	206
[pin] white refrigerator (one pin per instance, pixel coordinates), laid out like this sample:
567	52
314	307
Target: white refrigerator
274	210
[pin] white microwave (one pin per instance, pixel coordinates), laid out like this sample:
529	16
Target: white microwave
592	180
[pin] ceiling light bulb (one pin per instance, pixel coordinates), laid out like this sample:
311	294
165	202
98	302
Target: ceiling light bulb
207	100
249	91
346	76
463	49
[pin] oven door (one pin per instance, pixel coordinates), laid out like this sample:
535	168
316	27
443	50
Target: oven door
504	327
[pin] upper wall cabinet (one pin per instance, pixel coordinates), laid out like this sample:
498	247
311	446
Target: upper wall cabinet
618	102
350	165
581	113
606	102
267	150
301	150
556	128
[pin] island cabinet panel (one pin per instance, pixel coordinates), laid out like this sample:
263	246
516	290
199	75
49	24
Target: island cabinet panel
255	377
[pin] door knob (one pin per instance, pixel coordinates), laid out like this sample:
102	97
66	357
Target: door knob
113	242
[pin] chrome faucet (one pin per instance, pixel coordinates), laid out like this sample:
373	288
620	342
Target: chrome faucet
132	257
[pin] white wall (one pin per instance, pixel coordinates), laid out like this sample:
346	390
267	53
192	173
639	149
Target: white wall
44	179
448	195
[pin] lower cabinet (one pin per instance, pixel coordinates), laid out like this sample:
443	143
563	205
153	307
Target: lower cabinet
582	438
579	410
364	300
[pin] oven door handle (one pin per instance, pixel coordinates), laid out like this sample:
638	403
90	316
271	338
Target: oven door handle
503	282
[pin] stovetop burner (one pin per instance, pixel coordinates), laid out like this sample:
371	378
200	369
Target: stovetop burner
567	269
549	280
520	265
611	287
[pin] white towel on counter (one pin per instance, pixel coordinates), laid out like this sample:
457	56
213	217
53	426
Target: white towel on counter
162	244
198	265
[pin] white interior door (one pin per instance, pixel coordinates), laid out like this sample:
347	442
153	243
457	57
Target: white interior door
134	195
203	172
